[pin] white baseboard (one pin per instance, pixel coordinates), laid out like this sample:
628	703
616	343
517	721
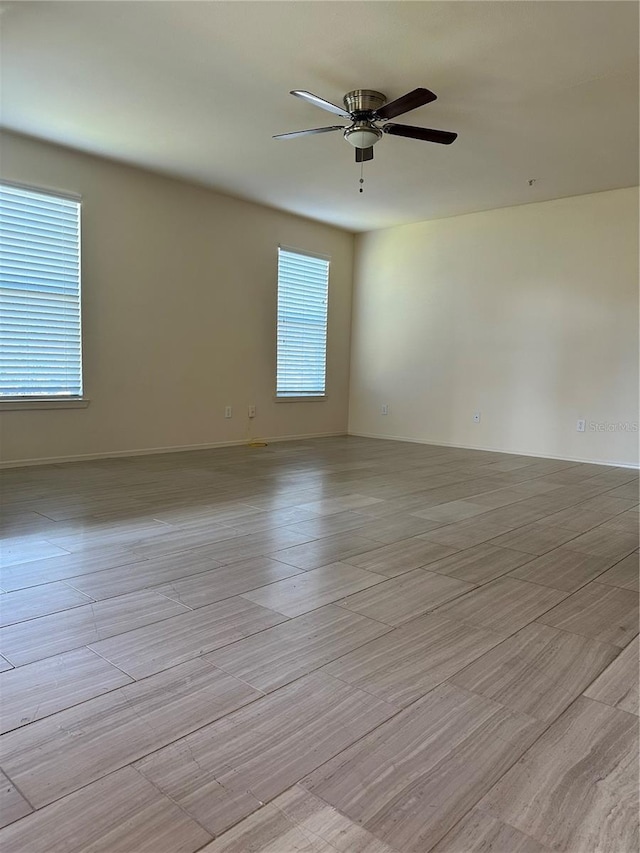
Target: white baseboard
151	451
608	462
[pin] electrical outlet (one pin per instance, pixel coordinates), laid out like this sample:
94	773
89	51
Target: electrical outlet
228	411
252	411
384	409
580	425
476	417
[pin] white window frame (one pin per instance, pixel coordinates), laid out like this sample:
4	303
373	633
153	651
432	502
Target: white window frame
57	401
311	396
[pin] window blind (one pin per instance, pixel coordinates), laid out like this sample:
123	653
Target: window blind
40	333
303	291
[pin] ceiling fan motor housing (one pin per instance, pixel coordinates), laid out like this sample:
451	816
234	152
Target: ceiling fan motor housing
364	101
362	105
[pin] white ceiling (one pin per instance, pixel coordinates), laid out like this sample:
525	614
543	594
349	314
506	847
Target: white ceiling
544	90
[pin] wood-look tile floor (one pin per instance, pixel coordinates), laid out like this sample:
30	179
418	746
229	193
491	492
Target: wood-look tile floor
340	644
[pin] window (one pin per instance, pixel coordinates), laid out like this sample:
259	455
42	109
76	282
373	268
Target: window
303	293
40	341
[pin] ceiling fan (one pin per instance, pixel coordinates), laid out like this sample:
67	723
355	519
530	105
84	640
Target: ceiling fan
369	114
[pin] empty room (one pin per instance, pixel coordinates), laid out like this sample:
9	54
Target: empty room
319	426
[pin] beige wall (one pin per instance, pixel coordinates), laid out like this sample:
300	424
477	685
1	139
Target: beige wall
179	300
527	314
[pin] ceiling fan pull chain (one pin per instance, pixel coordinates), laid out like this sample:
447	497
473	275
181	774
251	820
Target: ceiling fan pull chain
361	178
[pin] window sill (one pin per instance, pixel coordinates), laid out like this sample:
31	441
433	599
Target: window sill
317	398
17	403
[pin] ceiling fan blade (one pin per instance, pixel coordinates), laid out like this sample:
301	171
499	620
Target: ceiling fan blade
410	101
320	102
364	154
308	132
444	137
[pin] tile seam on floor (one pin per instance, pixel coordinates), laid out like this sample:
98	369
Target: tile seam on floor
197	729
225	598
167	796
24	797
586	636
349	746
412	618
131	766
132	681
546	726
606	704
165	583
542	723
75	704
502	577
548	586
200	654
495	577
140	758
553	548
66	579
531	746
140	627
543	849
364	690
90	600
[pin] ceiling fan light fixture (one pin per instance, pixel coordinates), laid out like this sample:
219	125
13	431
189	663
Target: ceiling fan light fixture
362	135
